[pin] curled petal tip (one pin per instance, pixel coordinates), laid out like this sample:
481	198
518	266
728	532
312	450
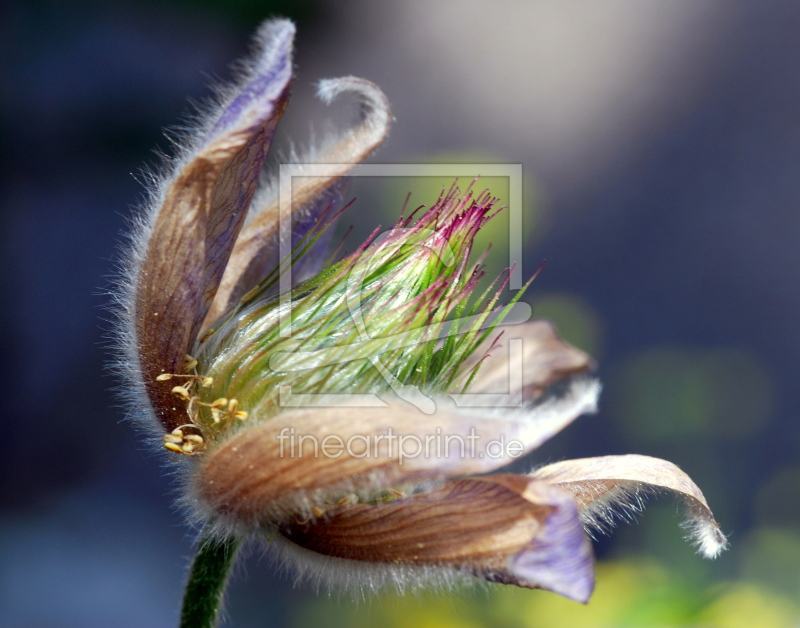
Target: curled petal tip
372	95
706	535
374	112
608	486
269	28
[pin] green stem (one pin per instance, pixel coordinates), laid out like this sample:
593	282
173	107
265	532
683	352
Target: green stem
207	579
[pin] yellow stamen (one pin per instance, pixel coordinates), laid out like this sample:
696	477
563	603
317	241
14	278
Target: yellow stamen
173	448
181	392
189	364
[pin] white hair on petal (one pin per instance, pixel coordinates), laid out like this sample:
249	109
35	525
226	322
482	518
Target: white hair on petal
550	414
186	141
356	579
374	111
360	579
703	533
575	395
300	504
608	507
627	499
553	414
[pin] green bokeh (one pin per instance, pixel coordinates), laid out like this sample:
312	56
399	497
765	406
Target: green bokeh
778	499
771	556
575	319
671	393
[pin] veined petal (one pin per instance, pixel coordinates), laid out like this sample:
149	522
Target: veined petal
545	359
256	251
609	485
504	528
202	209
304	459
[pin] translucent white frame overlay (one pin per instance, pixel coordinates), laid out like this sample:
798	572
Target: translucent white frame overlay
520	313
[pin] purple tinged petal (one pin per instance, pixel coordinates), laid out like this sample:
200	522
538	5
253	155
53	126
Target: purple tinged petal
560	558
256	251
313	261
503	528
201	211
271	74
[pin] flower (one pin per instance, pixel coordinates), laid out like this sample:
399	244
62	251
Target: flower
303	438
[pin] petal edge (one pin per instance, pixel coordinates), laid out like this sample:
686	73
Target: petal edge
606	486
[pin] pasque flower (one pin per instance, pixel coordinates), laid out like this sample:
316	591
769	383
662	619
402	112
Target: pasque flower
275	434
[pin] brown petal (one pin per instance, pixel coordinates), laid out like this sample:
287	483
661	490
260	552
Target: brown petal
256	251
546	359
504	528
202	212
607	486
266	471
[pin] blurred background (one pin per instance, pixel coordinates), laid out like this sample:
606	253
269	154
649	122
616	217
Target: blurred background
660	145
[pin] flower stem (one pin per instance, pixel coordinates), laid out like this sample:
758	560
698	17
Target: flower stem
207	579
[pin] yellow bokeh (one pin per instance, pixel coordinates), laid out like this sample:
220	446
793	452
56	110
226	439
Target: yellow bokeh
630	593
749	606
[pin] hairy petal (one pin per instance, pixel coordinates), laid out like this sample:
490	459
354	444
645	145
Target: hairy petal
504	528
256	251
545	359
282	466
202	211
607	486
